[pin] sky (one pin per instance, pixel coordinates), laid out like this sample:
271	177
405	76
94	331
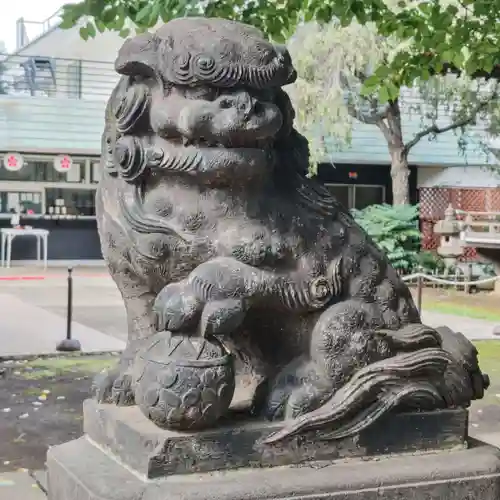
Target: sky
31	10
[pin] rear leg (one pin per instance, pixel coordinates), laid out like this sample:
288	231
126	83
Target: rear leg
299	385
343	341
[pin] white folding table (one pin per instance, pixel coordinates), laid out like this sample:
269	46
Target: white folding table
8	234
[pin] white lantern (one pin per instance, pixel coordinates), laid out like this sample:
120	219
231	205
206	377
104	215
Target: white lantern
13	162
63	163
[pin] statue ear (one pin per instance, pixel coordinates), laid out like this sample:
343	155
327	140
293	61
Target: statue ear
138	56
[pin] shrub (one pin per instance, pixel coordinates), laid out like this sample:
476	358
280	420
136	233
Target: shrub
431	261
395	230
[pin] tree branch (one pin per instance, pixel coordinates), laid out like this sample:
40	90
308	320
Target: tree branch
368	118
394	120
385	129
434	129
374	115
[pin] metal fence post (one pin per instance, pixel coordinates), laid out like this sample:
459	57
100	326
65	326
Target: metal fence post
69	344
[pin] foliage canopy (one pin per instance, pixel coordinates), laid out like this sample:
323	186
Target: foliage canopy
432	33
333	64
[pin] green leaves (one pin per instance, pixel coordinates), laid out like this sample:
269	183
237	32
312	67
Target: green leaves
394	229
88	31
465	33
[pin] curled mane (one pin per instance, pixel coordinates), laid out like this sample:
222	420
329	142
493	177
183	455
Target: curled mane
127	108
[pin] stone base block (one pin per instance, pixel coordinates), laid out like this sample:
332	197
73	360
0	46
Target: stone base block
79	470
152	452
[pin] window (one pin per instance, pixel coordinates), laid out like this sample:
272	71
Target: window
365	196
341	193
74	80
357	196
95	173
70	201
44	171
26	202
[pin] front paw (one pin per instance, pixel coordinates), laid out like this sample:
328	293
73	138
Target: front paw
222	317
177	309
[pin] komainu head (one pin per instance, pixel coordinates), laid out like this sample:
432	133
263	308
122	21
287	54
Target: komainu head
202	98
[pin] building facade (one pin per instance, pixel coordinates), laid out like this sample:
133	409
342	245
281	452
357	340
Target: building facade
51	121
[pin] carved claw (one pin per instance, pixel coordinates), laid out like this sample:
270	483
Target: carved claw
222	317
113	387
102	386
177	308
121	393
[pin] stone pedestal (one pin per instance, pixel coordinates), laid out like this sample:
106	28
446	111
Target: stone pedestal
123	456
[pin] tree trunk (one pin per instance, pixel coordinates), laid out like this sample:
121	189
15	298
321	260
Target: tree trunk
400	174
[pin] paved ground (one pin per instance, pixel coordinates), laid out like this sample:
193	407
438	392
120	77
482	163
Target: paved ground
37	310
474	329
37	313
19	486
28	329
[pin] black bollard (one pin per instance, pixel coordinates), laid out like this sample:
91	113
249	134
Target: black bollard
69	344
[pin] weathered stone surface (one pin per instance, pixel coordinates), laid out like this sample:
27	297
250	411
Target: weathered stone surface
212	229
141	445
80	471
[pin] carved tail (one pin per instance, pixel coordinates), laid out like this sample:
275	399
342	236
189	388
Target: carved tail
426	379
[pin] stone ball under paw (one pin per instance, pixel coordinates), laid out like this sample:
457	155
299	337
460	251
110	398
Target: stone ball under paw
183	382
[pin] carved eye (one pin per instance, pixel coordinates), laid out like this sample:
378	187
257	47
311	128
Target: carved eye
204	66
225	103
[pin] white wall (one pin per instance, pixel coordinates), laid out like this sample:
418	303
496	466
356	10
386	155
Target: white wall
425	174
69	45
97	56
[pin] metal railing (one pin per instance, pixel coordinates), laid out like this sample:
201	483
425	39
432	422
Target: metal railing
420	279
53	105
46	76
24	35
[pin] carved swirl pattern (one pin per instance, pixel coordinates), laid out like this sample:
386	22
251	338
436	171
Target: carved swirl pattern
130	157
264	65
204	68
217	52
132	107
181	67
321	291
183	382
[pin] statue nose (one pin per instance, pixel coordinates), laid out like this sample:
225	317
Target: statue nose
242	101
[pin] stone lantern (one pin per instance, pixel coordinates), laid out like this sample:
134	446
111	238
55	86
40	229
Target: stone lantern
451	245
